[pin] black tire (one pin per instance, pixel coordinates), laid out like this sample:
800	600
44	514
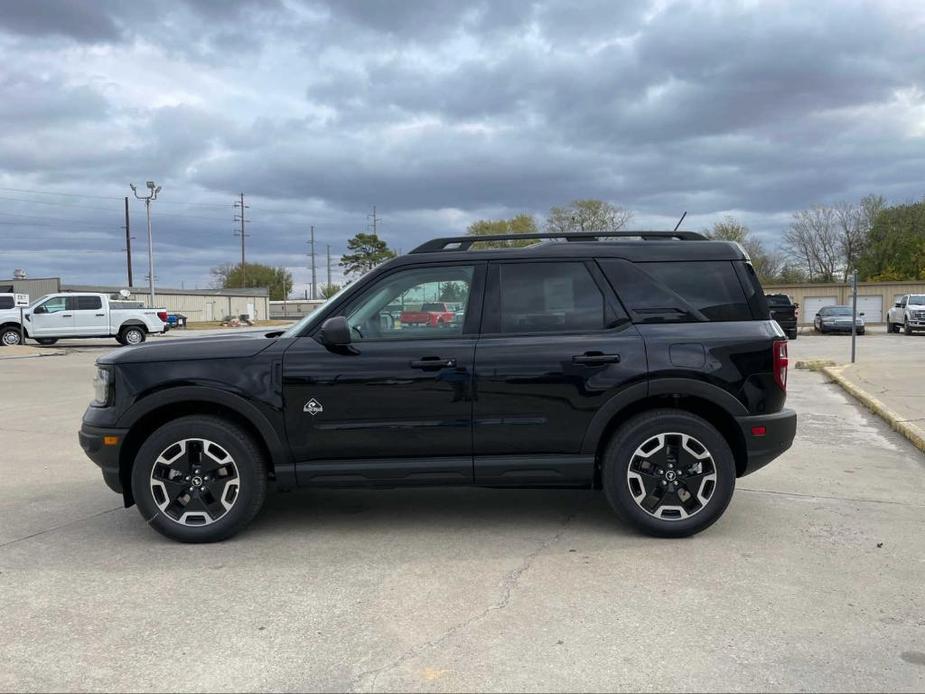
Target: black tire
621	454
244	455
46	340
9	337
907	329
131	335
892	328
792	335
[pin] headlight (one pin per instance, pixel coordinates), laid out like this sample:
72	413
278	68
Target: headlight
102	388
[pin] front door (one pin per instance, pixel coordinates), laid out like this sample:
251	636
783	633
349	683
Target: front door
555	346
395	406
53	317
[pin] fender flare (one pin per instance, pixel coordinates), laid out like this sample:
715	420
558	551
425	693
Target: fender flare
656	387
132	322
279	451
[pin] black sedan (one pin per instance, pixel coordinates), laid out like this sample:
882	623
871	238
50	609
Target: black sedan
837	319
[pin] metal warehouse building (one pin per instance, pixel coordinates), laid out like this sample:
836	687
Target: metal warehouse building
195	304
874	298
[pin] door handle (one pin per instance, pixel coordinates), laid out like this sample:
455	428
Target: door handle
99	315
66	315
432	363
594	358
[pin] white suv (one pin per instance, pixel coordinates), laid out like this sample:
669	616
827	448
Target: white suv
908	314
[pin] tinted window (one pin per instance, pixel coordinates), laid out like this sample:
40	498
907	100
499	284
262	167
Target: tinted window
778	300
392	308
6	302
679	291
89	303
549	297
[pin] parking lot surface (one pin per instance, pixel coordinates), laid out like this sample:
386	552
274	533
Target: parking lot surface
811	581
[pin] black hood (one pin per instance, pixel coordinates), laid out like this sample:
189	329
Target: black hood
184	349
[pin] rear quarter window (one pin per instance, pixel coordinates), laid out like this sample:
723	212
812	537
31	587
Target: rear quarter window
6	302
680	291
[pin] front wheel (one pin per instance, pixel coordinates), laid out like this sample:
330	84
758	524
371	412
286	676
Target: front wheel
907	329
199	479
9	337
669	473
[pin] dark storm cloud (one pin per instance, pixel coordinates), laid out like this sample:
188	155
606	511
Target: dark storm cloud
442	112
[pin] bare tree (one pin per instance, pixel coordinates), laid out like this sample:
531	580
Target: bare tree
587	215
855	221
814	243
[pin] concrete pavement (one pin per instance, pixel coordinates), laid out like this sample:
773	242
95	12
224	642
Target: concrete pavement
811	581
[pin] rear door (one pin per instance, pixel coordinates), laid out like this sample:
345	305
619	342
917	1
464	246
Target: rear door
555	346
90	317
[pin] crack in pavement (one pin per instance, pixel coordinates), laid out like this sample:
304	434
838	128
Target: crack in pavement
59	527
508	584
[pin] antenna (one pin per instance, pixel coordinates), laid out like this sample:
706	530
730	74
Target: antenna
680	220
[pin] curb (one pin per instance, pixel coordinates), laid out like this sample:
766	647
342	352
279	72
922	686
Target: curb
913	433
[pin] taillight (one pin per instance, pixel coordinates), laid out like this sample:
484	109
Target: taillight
162	315
781	361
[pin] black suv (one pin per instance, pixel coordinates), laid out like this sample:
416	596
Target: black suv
645	365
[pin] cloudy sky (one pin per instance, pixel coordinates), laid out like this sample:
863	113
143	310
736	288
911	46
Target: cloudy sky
438	113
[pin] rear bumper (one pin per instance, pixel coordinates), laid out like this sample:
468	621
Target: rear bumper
761	449
106	455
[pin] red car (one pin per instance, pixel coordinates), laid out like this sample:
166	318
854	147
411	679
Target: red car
434	315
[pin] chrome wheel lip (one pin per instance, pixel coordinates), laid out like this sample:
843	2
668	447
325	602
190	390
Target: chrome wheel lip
232	485
643	452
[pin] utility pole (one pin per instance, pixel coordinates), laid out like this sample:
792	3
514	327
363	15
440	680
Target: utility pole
128	244
153	190
329	266
242	234
311	243
374	221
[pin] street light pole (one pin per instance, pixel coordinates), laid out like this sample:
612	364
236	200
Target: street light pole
153	190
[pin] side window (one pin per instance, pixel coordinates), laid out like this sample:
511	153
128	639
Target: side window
89	303
55	305
658	292
549	297
6	302
418	303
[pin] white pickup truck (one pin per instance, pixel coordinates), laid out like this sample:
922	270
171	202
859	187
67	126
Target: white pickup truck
71	315
907	314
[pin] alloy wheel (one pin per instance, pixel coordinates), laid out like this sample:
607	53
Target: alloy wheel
671	476
195	482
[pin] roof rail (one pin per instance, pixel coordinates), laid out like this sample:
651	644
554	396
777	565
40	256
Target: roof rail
463	243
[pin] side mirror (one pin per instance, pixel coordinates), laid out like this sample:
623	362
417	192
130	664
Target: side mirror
40	309
335	332
897	305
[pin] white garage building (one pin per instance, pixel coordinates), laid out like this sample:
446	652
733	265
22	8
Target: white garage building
874	298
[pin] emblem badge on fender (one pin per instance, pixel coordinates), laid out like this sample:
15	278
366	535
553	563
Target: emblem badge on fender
313	407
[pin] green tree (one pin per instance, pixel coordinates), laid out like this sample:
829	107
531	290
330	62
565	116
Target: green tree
329	290
767	263
587	215
521	224
453	292
895	248
277	279
364	252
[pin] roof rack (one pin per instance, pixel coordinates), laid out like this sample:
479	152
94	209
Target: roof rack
463	243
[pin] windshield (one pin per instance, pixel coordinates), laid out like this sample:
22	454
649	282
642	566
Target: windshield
836	311
309	320
917	299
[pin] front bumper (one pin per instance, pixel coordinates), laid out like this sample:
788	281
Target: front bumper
103	446
779	429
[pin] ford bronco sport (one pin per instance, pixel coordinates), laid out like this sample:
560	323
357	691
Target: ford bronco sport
646	366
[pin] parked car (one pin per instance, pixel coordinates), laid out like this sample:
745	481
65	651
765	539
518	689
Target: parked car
907	314
837	319
646	366
785	312
67	315
433	315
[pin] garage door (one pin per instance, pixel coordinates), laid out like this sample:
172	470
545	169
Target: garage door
811	306
871	307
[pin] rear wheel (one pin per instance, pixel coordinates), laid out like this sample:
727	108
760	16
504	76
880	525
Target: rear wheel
199	479
9	336
46	340
132	335
669	473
